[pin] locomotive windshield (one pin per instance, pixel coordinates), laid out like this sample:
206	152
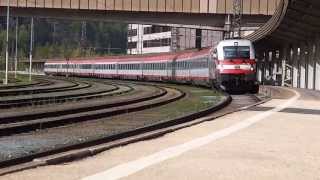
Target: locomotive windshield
232	52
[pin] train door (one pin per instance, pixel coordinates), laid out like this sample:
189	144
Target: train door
93	69
167	69
174	69
142	66
117	69
213	58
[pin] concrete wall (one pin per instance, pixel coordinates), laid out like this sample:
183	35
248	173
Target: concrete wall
265	7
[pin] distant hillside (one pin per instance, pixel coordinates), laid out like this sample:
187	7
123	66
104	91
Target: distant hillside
63	39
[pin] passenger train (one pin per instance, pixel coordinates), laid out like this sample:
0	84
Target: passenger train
230	65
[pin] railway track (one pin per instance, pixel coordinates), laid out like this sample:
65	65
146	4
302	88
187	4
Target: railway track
51	130
54	86
75	91
22	124
36	82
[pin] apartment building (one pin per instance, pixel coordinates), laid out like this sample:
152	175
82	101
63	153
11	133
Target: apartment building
144	39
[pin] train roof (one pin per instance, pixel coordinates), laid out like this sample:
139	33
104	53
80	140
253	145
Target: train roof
131	58
232	42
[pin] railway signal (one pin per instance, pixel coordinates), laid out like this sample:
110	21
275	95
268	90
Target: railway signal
16	49
31	49
7	43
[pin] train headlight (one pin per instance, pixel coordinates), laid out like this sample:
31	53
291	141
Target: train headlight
220	67
253	67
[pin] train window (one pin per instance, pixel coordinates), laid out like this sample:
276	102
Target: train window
231	52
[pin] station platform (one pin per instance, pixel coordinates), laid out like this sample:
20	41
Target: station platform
275	140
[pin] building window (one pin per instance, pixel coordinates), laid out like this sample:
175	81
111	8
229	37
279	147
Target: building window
157	43
156	29
132	45
132	32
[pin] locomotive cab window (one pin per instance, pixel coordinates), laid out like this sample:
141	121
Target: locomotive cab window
231	52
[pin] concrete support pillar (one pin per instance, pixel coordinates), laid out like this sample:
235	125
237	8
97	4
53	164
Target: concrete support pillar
264	68
267	65
274	64
317	66
259	66
282	63
310	66
303	66
295	65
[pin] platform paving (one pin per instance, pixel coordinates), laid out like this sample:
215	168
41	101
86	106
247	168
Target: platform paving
276	140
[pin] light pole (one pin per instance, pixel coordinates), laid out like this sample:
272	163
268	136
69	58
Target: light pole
31	49
16	49
7	43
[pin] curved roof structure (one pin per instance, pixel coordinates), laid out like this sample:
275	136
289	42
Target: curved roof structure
294	21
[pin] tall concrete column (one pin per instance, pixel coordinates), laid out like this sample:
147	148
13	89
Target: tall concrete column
270	60
310	66
317	67
266	75
283	59
274	66
288	66
303	66
260	58
263	67
295	65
